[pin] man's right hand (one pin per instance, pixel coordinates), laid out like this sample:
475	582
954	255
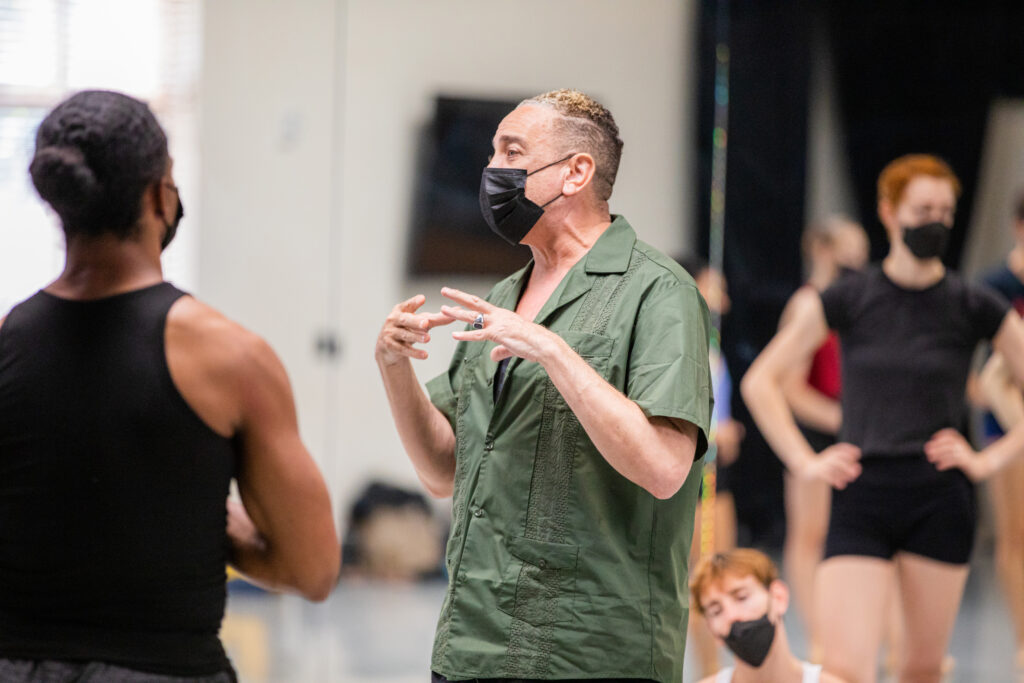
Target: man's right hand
405	327
837	465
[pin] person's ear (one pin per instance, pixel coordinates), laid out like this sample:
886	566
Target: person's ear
778	593
581	172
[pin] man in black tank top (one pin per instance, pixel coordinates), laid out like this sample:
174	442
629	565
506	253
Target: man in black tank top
126	408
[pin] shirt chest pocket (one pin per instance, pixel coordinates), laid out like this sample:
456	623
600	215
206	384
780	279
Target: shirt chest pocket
595	349
539	583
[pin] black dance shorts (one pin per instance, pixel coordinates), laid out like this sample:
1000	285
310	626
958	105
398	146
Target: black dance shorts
903	504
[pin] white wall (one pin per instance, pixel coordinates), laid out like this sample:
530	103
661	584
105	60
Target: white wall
311	111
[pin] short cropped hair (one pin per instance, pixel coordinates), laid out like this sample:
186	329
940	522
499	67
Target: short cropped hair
895	177
739	563
586	126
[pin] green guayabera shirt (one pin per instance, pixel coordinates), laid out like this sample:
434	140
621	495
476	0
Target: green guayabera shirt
561	567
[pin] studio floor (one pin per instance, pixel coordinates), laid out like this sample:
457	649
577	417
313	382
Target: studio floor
382	633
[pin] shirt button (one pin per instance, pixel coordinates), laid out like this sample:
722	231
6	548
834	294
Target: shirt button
478	513
489	446
542	564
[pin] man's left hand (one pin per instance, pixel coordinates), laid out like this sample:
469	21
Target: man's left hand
513	335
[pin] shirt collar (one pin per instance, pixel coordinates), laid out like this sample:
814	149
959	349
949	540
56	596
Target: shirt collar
612	251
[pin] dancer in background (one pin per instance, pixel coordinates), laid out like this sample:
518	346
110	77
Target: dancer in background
831	247
1007	489
904	499
726	435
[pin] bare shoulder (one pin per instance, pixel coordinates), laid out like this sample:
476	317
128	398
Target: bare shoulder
222	369
215	338
830	678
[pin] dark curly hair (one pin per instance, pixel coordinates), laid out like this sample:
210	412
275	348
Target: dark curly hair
96	153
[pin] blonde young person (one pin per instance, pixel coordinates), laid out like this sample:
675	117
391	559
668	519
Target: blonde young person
740	596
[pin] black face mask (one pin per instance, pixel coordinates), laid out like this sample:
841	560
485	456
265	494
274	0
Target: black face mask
751	640
503	201
172	228
927	241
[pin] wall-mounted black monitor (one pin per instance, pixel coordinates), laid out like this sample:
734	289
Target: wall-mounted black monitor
448	232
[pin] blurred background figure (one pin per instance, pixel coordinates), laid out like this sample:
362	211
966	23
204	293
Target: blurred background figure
831	246
393	535
1006	489
715	522
739	595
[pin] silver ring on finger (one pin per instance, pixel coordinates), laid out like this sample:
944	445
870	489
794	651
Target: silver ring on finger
478	321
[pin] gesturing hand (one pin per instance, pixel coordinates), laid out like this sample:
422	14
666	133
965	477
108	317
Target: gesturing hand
948	449
513	335
405	327
837	465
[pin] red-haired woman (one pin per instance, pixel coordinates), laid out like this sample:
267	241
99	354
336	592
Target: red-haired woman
903	503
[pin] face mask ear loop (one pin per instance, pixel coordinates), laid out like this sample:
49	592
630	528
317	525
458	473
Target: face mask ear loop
550	165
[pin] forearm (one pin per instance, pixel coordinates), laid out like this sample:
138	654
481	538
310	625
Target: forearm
655	456
814	409
426	434
762	392
1001	393
252	556
1005	449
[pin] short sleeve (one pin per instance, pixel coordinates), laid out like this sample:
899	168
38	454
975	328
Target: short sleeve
669	374
442	389
987	308
837	300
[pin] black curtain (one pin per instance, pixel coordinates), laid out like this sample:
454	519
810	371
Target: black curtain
769	56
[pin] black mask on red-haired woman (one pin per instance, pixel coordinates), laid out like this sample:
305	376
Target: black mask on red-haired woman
927	241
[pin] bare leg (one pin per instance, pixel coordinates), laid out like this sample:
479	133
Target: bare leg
851	594
931	593
807	512
1007	491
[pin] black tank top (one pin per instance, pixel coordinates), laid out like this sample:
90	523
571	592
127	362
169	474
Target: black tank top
112	491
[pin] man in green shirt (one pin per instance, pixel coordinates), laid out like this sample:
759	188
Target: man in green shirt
567	425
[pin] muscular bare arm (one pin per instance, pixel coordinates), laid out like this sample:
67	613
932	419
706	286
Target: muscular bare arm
237	385
793	345
654	453
426	434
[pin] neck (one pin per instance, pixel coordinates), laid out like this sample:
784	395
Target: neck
103	266
822	275
560	243
779	667
907	271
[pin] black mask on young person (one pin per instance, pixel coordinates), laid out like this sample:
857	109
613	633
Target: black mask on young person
503	201
751	640
172	228
927	241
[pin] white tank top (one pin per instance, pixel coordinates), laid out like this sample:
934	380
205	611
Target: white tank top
812	674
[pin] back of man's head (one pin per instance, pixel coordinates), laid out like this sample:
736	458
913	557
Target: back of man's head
586	126
738	563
